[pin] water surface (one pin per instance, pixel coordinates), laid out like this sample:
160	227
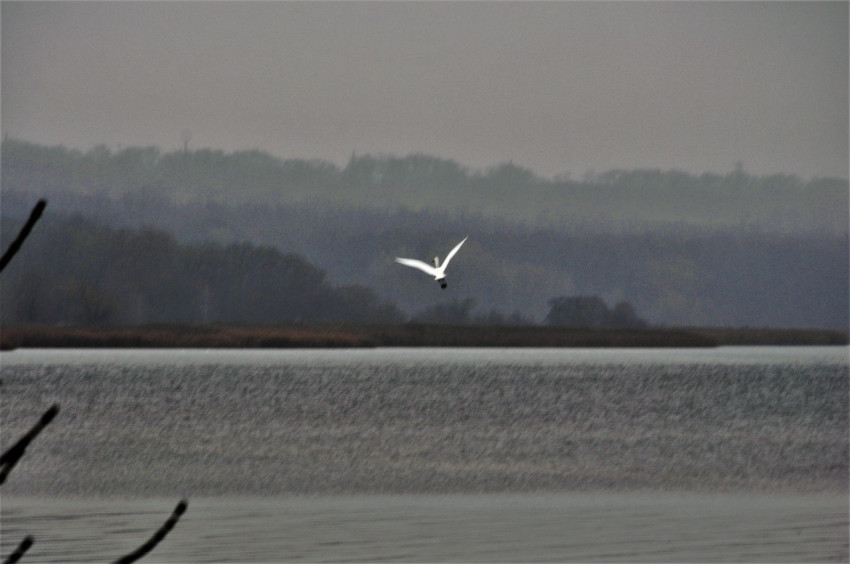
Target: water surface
736	453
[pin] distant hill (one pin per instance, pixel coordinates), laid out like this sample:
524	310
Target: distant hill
615	199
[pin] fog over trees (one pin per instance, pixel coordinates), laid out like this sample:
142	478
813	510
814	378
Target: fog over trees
139	235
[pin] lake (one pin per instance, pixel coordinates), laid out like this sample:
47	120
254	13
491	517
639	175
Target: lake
431	455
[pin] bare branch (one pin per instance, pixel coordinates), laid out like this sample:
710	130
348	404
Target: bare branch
23	547
11	457
25	231
157	536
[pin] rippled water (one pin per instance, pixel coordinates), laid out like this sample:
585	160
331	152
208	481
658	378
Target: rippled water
434	455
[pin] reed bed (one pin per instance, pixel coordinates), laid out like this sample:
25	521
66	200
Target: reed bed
177	337
401	335
763	336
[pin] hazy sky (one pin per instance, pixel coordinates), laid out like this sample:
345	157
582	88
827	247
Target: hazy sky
552	86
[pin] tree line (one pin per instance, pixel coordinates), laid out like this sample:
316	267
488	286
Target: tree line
610	199
79	272
82	273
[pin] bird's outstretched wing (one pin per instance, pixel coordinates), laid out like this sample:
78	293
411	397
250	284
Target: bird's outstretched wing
452	252
424	267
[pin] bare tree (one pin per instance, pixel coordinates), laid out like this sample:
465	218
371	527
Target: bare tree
24	233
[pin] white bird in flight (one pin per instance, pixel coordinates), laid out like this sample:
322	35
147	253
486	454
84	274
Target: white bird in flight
438	271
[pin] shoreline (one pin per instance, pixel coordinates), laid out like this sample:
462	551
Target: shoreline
404	335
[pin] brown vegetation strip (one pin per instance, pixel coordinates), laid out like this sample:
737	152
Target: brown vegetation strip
176	337
400	335
756	336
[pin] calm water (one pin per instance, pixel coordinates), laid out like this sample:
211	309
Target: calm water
432	454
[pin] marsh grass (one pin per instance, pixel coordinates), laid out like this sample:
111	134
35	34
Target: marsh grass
400	335
747	336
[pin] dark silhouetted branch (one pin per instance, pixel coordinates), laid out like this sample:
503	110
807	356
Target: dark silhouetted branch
23	547
157	537
11	457
25	231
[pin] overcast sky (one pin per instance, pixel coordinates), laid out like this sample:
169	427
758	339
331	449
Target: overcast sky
553	86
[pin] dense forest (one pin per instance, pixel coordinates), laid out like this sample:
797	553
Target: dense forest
82	273
203	235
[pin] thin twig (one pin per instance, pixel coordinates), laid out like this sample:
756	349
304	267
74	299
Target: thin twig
23	547
25	231
157	536
11	457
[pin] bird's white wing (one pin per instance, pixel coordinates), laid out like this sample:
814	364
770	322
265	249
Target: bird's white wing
452	252
423	266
